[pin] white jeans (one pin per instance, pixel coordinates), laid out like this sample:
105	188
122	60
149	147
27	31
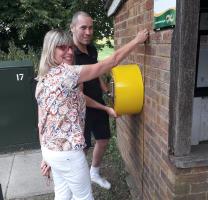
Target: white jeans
70	174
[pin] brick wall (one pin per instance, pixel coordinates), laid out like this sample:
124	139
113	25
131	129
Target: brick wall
143	138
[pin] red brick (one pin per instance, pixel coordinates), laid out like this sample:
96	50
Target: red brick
131	31
199	187
155	36
151	72
140	19
142	8
163	76
199	169
132	12
163	88
164	136
140	49
167	36
151	93
149	4
167	181
124	16
150	49
200	196
163	50
193	178
181	189
163	112
163	123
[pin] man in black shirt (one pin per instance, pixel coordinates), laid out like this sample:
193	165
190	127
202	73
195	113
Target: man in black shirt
96	121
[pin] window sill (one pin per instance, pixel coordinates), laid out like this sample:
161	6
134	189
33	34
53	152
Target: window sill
198	157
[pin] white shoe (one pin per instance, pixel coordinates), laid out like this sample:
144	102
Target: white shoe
102	182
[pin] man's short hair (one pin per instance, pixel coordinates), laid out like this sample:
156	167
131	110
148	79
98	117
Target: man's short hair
76	15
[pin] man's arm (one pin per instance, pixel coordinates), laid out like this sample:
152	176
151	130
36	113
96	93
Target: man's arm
103	85
94	104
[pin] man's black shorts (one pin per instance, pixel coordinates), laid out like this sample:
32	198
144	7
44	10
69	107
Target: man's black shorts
96	122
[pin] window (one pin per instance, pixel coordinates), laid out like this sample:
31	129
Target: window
200	103
201	83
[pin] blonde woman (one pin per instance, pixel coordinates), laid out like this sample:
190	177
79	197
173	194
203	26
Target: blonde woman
61	111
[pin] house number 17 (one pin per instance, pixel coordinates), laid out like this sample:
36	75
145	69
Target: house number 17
19	77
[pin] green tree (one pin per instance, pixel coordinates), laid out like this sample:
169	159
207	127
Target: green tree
26	21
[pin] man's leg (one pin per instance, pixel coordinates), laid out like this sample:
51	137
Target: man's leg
98	152
101	131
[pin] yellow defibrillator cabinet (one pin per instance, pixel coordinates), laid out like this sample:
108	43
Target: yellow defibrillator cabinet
127	89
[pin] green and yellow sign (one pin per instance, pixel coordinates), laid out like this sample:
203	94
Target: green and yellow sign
164	14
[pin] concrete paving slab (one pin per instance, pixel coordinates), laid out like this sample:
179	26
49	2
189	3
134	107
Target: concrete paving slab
26	182
6	161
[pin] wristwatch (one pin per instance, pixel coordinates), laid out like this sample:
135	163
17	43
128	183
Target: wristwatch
108	93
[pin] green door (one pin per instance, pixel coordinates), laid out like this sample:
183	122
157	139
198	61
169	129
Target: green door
18	118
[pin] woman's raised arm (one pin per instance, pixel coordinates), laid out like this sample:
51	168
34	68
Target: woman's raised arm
92	71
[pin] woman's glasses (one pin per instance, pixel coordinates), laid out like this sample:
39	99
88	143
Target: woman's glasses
63	47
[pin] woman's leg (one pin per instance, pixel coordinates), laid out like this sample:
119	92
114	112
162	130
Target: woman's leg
79	177
61	187
70	173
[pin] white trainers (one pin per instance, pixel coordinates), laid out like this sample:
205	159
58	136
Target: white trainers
102	182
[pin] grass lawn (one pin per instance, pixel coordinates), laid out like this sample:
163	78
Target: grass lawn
105	52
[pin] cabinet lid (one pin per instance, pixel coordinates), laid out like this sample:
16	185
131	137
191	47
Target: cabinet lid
16	63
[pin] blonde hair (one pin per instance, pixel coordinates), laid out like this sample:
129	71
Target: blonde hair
52	39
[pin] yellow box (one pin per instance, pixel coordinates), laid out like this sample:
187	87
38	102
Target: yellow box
127	89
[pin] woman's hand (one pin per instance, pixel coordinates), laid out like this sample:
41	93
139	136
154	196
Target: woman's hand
142	36
111	112
45	169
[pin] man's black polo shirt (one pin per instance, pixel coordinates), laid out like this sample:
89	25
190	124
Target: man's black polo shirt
91	88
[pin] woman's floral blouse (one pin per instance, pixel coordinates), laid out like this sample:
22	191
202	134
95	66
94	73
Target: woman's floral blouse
61	109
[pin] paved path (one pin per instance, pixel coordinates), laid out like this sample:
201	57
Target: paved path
20	177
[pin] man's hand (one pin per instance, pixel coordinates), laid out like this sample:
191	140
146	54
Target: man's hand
111	112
